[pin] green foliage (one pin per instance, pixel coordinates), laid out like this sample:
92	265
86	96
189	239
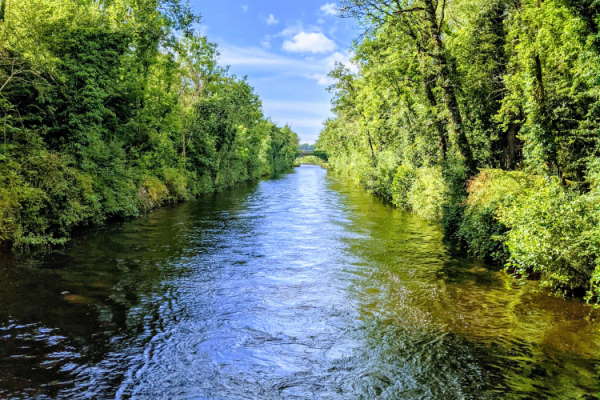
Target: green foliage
552	81
310	160
404	179
554	232
109	109
43	199
484	115
428	194
479	228
321	154
378	179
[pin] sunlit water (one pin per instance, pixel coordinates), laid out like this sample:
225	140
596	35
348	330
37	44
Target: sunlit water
302	287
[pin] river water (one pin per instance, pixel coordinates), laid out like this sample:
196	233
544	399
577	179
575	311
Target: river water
302	287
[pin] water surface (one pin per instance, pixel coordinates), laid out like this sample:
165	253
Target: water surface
303	287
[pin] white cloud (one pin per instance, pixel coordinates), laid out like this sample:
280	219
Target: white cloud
344	58
269	68
314	42
245	8
291	30
322	79
329	9
271	20
261	59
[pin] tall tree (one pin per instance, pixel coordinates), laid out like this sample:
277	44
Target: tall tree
423	22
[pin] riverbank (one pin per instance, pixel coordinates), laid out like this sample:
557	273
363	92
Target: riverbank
153	193
485	120
310	160
532	225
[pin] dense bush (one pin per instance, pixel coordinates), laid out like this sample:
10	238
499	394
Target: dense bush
112	108
404	180
428	194
479	228
553	232
378	178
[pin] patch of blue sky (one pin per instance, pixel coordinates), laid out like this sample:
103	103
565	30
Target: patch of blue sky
286	49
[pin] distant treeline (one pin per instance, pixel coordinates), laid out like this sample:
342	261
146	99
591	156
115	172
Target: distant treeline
109	108
484	115
310	150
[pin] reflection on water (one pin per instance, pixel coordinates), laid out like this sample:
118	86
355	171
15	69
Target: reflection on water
297	288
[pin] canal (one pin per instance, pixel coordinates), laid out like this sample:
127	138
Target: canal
302	287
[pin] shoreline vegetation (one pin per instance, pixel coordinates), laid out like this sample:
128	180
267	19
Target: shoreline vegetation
309	155
310	160
108	110
483	116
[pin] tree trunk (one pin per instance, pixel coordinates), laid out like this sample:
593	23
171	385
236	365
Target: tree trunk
183	142
373	163
447	86
439	127
548	140
511	148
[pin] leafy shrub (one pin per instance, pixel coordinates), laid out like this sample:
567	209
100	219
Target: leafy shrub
453	209
378	178
201	184
428	194
42	199
554	232
354	168
152	193
403	181
479	228
176	183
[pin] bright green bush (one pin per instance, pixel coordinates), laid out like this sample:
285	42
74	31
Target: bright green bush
428	194
553	232
383	174
354	168
403	181
42	199
176	183
479	229
592	235
152	193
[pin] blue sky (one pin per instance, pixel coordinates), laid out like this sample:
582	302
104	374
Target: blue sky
285	48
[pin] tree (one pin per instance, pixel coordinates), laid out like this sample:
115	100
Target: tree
422	22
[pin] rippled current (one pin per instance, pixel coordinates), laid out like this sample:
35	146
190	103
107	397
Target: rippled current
303	287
